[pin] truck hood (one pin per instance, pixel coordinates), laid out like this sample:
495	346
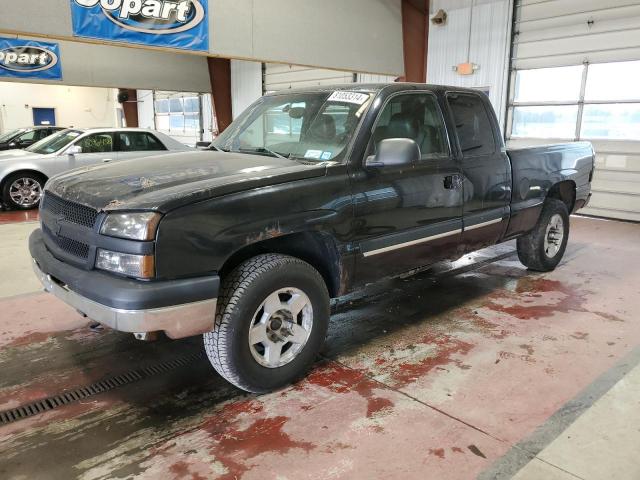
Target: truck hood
169	181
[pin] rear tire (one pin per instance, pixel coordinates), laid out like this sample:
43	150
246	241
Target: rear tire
542	249
271	321
23	191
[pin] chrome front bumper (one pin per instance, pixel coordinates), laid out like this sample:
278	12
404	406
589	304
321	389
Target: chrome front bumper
178	321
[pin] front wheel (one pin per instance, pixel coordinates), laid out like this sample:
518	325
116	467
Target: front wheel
543	248
271	321
23	191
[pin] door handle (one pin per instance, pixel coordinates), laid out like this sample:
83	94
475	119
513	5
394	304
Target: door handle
106	160
453	182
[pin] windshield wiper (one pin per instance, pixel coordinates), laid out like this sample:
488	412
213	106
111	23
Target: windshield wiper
263	150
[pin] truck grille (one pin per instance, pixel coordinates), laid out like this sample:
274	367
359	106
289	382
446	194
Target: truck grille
55	213
68	245
73	212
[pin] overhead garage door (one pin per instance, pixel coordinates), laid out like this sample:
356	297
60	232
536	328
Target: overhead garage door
282	77
575	67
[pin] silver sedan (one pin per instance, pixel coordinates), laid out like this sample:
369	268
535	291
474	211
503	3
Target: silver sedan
23	173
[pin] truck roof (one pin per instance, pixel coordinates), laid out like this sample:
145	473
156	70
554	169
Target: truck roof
375	87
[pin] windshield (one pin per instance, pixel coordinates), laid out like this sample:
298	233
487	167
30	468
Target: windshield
10	134
55	142
314	126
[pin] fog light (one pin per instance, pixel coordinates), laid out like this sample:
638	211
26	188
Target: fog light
139	266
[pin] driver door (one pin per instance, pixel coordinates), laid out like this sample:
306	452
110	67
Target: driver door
408	217
97	148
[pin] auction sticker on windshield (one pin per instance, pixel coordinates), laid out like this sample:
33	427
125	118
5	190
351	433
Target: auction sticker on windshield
349	97
181	24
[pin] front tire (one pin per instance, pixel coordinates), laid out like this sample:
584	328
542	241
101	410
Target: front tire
271	321
542	249
23	191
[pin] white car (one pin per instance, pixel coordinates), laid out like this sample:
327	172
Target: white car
23	173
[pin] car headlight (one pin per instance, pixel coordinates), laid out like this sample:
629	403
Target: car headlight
139	266
133	225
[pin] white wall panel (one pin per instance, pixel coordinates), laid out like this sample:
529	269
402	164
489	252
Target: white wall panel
372	78
488	46
246	84
75	106
284	77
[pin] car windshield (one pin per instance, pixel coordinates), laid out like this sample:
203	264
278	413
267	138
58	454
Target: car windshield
313	126
55	142
10	134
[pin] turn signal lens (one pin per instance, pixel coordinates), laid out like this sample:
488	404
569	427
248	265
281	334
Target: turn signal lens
138	266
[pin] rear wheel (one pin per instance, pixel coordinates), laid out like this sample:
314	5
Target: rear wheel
23	191
271	321
543	248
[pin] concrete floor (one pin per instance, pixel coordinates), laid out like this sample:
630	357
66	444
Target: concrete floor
477	369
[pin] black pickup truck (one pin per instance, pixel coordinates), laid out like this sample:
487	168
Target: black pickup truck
308	195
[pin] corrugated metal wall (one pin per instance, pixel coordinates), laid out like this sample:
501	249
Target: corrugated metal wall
283	77
476	31
246	84
555	33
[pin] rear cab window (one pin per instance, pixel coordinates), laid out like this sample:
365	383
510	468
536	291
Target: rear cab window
473	125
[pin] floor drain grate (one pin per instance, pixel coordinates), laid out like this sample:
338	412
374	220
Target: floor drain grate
40	406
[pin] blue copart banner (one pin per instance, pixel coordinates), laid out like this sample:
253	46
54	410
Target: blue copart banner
28	59
182	24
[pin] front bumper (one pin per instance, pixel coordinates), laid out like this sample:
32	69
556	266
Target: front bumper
180	308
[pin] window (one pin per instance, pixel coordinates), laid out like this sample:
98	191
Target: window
415	116
598	101
548	84
177	112
549	121
473	126
314	126
96	143
28	137
619	121
139	142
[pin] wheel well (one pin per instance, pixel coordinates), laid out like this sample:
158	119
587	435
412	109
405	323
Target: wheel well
318	250
566	192
21	172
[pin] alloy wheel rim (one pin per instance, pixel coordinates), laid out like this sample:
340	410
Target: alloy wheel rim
554	236
281	327
25	192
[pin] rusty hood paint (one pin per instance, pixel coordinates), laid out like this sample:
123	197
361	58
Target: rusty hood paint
170	181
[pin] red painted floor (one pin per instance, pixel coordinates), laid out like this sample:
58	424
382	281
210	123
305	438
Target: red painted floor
7	217
434	376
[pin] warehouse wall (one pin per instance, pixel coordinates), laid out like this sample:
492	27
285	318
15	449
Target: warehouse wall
246	84
359	35
75	106
480	36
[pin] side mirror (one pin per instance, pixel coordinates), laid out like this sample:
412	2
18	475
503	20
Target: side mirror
74	150
13	144
395	152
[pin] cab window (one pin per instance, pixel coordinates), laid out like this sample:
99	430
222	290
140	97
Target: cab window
28	137
415	116
473	126
139	142
96	143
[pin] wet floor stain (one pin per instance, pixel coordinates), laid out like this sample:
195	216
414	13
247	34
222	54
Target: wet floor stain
535	298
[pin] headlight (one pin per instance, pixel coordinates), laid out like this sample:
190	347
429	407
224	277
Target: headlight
139	266
134	226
